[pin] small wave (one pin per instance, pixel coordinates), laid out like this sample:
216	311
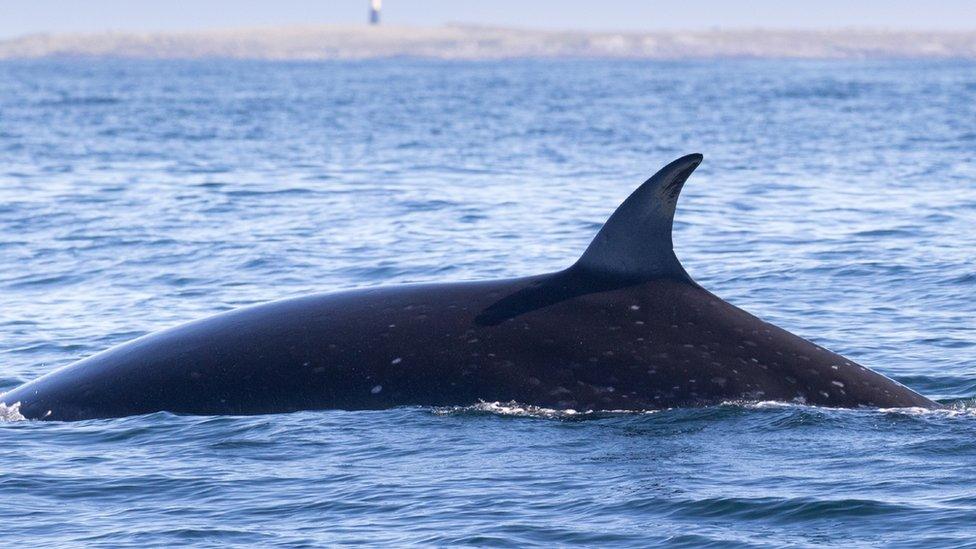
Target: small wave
11	413
79	101
963	408
515	409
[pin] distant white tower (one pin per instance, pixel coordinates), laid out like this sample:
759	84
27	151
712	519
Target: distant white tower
374	11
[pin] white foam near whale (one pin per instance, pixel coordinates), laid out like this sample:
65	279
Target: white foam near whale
11	413
517	409
966	409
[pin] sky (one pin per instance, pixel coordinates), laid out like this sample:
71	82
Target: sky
18	17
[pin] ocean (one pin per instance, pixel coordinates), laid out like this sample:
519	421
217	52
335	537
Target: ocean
837	200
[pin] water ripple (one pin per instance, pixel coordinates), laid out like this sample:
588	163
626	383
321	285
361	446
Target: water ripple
837	200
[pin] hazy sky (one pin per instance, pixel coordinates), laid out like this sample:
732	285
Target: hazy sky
28	16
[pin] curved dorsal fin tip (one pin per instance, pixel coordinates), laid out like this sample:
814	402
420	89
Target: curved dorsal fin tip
635	242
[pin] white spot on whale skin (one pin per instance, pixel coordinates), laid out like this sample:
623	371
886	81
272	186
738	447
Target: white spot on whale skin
635	307
376	389
837	383
396	360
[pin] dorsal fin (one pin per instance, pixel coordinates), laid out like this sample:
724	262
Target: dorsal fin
635	243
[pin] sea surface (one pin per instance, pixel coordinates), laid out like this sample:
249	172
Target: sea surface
837	200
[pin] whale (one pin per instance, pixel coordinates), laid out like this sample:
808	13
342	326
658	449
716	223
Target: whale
623	328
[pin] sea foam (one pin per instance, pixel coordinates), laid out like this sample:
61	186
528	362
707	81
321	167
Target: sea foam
10	413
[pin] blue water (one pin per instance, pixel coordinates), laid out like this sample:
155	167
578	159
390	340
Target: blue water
837	200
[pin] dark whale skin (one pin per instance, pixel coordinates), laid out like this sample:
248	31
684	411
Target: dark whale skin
602	335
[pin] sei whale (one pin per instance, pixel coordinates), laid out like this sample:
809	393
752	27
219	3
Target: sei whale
624	328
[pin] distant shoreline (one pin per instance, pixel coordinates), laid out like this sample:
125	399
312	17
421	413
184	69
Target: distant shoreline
474	42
